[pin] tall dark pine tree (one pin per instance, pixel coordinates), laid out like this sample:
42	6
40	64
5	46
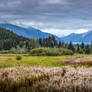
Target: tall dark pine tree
51	41
59	44
87	49
71	47
78	48
82	45
91	48
41	42
48	42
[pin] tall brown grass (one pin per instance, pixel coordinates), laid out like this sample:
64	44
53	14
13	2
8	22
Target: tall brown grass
46	79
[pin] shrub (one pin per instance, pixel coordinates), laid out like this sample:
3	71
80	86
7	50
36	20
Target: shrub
53	52
50	52
18	50
18	58
66	51
38	52
13	50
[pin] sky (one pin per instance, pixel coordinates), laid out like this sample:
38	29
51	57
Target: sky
59	17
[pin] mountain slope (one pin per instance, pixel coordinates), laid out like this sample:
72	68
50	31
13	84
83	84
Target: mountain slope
8	39
27	32
84	37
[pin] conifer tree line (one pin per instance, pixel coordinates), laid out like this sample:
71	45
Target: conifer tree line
78	48
11	41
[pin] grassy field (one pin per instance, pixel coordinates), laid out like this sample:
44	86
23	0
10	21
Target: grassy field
44	74
9	60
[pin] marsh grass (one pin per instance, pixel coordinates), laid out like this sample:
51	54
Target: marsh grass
46	79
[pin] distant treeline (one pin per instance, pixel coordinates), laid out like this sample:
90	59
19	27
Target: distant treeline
13	43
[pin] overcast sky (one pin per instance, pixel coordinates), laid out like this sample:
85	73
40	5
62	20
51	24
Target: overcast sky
59	17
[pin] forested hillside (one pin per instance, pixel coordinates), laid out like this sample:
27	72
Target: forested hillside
18	44
8	39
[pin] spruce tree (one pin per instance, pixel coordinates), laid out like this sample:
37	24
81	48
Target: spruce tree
87	49
71	47
91	48
83	45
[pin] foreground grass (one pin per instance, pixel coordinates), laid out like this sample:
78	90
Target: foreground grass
43	74
46	79
9	60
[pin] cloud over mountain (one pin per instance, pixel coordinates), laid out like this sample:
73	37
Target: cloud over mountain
48	14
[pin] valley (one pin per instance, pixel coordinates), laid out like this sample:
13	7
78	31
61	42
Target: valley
42	65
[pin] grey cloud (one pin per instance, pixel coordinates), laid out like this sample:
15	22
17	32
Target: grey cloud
58	14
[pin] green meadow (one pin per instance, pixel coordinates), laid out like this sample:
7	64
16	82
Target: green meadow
9	60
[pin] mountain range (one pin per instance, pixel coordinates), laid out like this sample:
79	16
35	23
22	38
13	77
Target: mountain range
27	32
78	38
36	33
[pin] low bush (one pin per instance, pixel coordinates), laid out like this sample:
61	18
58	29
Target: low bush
50	52
66	51
18	57
18	50
38	52
53	52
